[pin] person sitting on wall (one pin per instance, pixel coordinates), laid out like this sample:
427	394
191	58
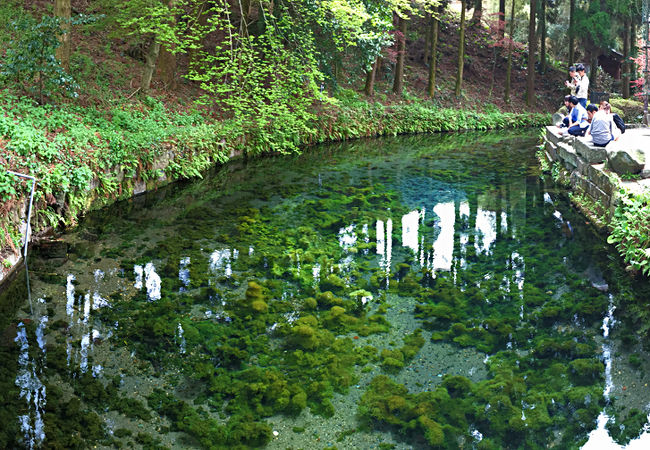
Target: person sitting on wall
582	88
602	126
569	107
578	119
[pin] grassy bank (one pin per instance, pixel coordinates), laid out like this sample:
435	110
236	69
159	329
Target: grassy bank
85	158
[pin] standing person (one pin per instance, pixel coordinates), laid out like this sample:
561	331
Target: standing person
602	124
572	83
582	89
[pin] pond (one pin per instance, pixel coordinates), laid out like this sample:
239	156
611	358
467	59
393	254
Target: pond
413	292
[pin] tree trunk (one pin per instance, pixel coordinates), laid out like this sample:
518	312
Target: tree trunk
625	78
506	96
502	19
477	15
461	50
572	13
167	59
433	65
398	82
530	79
593	74
167	64
150	65
369	88
428	37
62	10
542	39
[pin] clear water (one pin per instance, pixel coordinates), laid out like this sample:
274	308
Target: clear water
397	293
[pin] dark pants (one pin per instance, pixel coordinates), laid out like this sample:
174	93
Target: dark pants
583	102
605	144
565	122
577	131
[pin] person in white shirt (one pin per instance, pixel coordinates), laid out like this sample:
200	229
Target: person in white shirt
582	89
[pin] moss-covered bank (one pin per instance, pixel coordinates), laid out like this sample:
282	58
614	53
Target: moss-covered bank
85	159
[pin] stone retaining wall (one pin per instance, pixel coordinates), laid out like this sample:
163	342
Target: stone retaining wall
586	171
128	187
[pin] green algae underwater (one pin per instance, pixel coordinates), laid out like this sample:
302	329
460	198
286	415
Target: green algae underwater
413	292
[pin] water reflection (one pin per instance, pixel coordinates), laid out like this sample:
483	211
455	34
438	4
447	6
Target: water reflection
599	439
385	246
482	243
32	389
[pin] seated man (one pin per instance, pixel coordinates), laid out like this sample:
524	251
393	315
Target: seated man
602	125
578	119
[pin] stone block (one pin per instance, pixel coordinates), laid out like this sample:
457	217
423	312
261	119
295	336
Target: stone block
52	249
567	154
592	154
552	135
140	187
596	173
586	185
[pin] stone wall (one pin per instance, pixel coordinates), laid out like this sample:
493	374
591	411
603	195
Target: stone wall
128	187
587	171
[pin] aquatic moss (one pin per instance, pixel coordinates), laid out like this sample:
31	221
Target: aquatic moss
428	413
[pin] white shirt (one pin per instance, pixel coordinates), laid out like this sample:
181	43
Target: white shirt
583	86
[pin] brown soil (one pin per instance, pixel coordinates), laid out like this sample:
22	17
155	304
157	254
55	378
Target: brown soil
118	69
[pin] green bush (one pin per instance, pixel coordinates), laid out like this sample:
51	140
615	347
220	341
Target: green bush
631	231
630	110
30	65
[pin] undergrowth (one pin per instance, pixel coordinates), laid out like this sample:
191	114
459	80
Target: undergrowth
631	231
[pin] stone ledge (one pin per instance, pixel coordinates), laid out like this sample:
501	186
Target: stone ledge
591	154
587	172
567	154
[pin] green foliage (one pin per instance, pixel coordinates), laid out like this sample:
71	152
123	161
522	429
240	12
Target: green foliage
30	64
630	231
631	110
7	184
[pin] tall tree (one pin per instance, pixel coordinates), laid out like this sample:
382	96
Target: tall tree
62	10
369	88
461	50
477	15
530	79
506	96
542	36
572	30
398	81
433	64
151	60
167	57
502	19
